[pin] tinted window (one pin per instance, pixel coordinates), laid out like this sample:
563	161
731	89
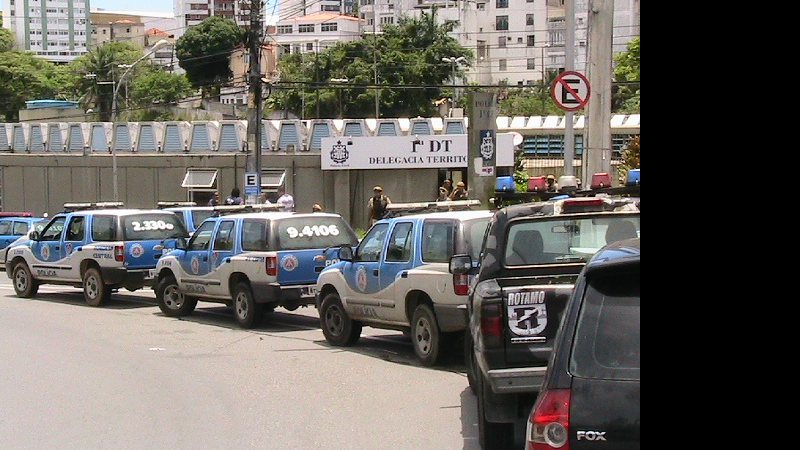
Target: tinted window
75	230
224	239
39	226
607	339
437	241
372	244
104	228
5	227
254	235
202	237
52	232
198	216
20	228
296	233
565	240
474	231
400	243
153	226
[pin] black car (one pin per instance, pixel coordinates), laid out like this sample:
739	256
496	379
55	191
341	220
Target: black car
591	393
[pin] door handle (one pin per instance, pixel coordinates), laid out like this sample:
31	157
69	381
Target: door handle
58	248
404	275
205	258
375	272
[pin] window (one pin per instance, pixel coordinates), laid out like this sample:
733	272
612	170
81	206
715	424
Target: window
502	64
310	46
387	20
285	29
330	8
53	230
305	28
254	235
529	19
531	40
153	226
200	178
501	42
298	233
21	228
5	227
501	4
202	237
400	243
481	50
501	23
481	6
198	216
224	239
372	244
531	63
519	40
437	241
75	230
329	27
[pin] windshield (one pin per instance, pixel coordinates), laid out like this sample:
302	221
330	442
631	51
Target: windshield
154	226
199	215
297	233
564	240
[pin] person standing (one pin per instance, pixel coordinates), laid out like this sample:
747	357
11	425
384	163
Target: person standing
448	186
214	201
552	186
377	205
442	195
235	198
285	200
460	192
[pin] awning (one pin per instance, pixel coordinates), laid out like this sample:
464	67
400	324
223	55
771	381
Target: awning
200	178
272	178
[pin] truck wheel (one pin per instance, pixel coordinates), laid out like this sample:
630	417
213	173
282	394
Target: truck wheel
469	361
245	308
425	335
339	329
492	436
171	301
95	290
24	284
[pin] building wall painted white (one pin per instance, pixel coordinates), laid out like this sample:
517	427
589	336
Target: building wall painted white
56	30
307	34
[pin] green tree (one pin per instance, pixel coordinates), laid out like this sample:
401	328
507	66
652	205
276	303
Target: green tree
408	54
628	63
204	50
532	101
160	87
630	159
23	77
6	40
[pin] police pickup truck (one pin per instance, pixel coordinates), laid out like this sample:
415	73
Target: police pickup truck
100	250
530	260
252	262
397	278
189	213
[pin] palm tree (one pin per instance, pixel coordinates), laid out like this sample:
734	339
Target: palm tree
100	69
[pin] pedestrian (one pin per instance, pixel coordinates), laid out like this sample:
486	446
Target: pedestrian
442	195
448	186
285	200
552	186
235	198
316	208
377	205
214	201
460	192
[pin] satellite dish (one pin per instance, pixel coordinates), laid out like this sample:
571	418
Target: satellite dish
517	138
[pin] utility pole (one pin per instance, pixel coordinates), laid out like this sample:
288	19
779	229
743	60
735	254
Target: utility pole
316	74
254	104
598	149
375	59
569	52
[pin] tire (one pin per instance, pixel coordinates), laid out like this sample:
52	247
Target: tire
95	291
171	301
24	284
492	436
245	309
469	362
339	329
425	335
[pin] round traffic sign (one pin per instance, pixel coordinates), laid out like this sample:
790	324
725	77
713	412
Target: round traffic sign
570	91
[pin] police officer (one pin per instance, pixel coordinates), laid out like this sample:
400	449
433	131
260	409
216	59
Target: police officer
377	205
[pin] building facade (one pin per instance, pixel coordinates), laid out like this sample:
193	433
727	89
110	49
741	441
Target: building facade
315	32
56	30
191	12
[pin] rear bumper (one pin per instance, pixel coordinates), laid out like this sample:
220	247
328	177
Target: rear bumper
451	317
129	279
296	295
517	380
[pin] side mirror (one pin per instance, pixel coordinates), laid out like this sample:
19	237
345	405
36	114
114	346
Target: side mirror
346	253
460	264
180	243
33	235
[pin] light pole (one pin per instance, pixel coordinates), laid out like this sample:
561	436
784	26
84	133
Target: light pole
130	67
340	80
455	62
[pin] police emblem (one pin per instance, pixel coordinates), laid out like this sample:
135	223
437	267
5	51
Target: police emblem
339	153
289	263
45	252
195	265
68	248
137	250
487	145
361	278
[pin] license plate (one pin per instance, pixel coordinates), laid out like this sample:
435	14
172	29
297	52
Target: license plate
308	291
151	273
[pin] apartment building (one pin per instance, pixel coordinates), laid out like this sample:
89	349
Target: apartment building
315	32
192	12
56	30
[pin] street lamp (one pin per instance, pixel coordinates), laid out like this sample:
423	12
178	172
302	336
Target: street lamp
156	47
340	80
455	62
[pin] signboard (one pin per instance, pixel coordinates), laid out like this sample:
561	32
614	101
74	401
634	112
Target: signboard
251	186
394	152
570	91
487	149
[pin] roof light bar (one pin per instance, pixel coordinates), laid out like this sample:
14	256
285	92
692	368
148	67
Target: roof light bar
174	204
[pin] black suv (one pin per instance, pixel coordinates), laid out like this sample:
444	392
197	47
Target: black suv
530	259
591	393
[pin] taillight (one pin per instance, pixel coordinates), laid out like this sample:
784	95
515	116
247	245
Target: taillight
492	324
548	424
461	284
272	266
119	253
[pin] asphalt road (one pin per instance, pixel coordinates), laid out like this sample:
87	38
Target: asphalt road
125	376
